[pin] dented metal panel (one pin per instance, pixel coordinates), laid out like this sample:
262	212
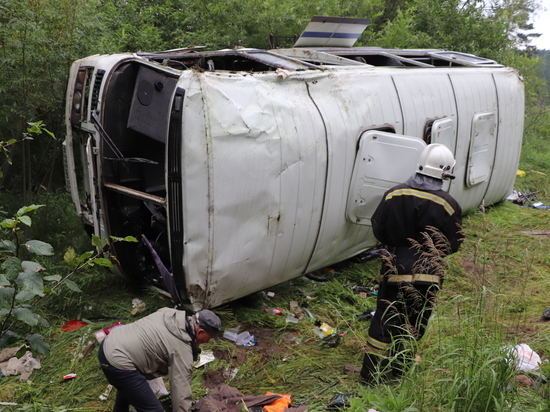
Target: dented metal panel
245	168
272	156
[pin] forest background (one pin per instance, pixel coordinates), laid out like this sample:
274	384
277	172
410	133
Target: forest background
39	39
500	273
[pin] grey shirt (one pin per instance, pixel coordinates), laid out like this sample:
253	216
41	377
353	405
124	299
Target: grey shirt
156	345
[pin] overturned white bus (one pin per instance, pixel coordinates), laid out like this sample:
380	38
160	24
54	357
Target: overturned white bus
240	169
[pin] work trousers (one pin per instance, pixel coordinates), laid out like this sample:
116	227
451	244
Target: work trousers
404	306
132	388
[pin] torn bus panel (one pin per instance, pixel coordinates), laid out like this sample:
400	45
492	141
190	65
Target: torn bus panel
240	178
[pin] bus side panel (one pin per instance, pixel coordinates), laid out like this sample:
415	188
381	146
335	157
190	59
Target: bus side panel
261	174
510	130
350	102
475	94
425	99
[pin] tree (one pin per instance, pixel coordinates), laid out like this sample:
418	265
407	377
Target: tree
38	41
516	15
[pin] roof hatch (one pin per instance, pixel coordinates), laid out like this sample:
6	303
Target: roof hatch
324	31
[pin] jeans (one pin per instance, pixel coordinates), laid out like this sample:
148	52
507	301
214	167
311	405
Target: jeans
132	388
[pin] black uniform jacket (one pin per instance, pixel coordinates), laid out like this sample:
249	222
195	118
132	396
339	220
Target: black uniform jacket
406	213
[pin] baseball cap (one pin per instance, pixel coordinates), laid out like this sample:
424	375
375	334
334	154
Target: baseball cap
210	322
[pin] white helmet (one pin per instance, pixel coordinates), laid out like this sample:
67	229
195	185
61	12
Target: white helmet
436	161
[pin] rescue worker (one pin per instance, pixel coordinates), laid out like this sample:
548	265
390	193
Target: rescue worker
419	223
162	343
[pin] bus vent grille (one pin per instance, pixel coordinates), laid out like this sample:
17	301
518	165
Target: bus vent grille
95	91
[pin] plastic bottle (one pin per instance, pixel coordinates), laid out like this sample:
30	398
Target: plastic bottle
274	311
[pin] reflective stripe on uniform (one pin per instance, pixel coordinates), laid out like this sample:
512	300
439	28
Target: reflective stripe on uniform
420	277
377	346
423	195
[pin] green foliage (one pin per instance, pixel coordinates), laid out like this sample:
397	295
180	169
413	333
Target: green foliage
39	41
36	129
23	282
535	158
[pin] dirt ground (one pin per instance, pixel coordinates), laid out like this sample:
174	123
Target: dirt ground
267	348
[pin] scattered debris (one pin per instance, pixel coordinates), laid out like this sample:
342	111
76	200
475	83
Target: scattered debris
327	333
525	358
69	376
521	198
291	318
105	395
278	405
231	333
231	373
296	340
138	306
10	365
8	353
308	313
323	330
100	335
363	289
204	358
73	325
241	339
339	401
274	311
367	315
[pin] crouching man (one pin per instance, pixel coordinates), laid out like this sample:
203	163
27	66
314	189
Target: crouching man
163	343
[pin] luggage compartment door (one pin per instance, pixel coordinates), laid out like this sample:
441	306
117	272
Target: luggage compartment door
383	160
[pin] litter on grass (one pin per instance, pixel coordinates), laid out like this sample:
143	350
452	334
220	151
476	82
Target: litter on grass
73	325
526	199
100	335
105	395
524	358
138	305
339	401
367	315
241	339
10	365
204	358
